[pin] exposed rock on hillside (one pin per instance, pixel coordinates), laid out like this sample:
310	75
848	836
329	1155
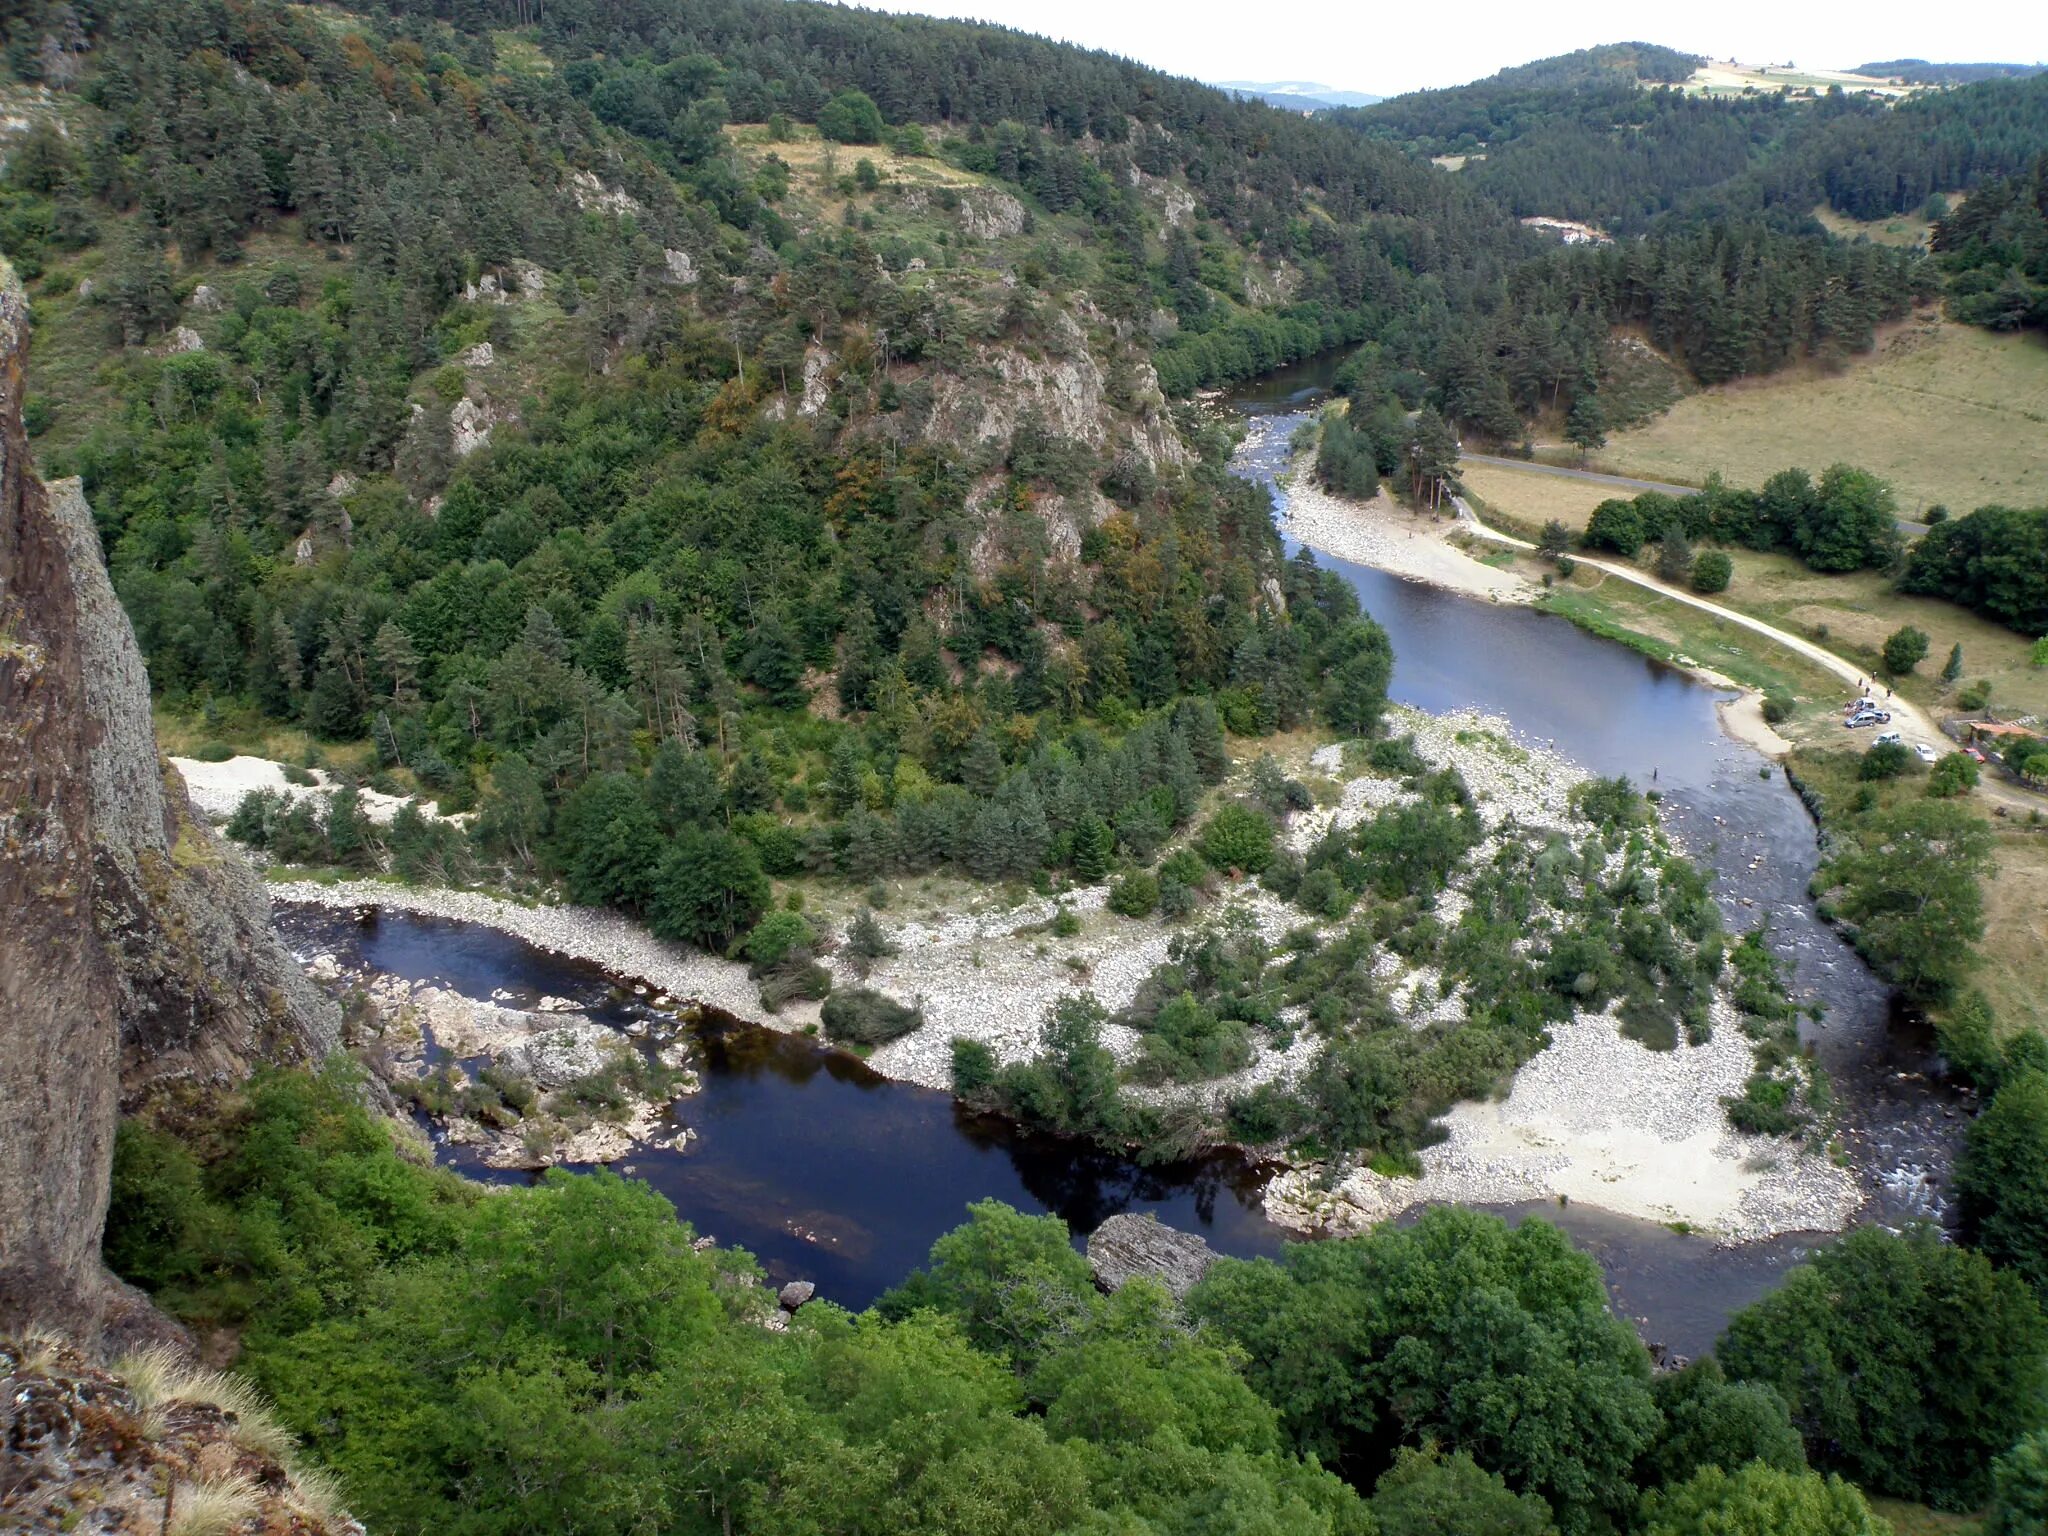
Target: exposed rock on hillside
136	945
145	1447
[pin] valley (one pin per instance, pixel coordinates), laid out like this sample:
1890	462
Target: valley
698	696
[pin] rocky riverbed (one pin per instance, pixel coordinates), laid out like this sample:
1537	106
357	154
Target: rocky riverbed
521	1087
1595	1118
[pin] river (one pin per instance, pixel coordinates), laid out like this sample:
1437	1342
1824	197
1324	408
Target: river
828	1172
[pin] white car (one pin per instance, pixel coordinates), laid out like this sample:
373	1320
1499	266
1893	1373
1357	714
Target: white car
1886	738
1924	752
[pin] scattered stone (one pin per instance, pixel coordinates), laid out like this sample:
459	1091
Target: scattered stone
479	356
682	271
183	339
208	300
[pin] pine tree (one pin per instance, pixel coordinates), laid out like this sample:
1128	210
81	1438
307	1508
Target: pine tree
1954	669
1585	427
1094	847
981	768
866	942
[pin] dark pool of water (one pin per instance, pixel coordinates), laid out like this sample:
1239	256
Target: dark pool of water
827	1172
821	1167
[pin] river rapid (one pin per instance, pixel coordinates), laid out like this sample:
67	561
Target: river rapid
828	1172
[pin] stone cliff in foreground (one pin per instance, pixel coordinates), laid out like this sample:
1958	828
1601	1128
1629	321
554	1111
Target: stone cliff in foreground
135	947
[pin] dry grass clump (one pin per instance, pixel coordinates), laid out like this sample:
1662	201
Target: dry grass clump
212	1508
160	1377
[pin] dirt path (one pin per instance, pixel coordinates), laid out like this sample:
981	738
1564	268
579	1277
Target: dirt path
1913	723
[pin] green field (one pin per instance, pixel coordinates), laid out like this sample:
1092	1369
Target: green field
1901	229
1859	608
1947	414
1526	499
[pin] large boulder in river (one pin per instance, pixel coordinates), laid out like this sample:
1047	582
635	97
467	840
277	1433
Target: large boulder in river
1125	1247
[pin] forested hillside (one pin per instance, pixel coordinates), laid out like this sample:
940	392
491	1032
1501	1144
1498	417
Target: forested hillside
1585	142
486	395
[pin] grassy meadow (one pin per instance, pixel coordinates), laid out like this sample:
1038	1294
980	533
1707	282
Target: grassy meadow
1946	413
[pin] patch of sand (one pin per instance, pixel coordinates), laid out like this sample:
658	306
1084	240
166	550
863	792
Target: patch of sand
1743	720
1385	535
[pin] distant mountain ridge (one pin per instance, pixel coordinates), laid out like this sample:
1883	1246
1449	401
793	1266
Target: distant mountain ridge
1921	72
1297	95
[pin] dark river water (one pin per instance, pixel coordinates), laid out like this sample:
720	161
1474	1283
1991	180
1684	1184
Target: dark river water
828	1172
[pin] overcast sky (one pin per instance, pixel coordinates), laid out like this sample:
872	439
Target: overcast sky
1393	47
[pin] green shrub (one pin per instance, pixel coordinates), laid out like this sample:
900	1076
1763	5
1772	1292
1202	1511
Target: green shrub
212	752
1609	802
2001	1180
851	117
1185	866
2019	1489
1396	755
792	981
1237	837
1885	760
1777	706
1904	649
974	1069
1065	922
1616	525
1712	570
1966	1034
861	1016
1907	1362
1975	695
1955	774
1135	895
774	937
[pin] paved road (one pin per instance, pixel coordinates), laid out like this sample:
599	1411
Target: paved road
1623	482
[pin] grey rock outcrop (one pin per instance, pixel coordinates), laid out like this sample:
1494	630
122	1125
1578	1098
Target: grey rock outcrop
1126	1247
134	944
795	1294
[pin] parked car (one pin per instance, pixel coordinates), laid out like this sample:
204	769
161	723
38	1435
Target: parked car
1868	717
1924	752
1886	738
1974	753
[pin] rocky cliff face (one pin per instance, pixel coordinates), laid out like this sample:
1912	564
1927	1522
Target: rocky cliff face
134	945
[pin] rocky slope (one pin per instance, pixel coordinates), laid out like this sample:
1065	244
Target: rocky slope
151	1445
134	945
